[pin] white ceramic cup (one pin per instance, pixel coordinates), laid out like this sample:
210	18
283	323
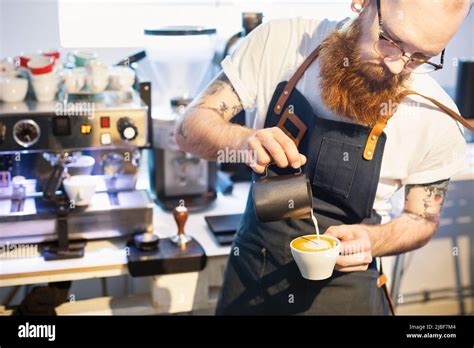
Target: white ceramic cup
316	265
80	189
83	165
13	89
97	76
121	78
97	84
75	79
45	87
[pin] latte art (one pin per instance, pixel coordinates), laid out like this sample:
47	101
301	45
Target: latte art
313	243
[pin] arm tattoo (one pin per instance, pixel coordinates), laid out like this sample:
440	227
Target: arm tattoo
223	110
433	193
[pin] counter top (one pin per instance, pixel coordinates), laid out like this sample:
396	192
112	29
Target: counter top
107	258
196	226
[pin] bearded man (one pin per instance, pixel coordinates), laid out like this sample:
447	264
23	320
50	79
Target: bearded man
346	102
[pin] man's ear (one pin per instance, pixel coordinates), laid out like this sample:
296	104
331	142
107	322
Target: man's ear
358	5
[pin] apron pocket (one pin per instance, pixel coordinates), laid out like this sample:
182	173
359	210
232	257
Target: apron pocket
336	166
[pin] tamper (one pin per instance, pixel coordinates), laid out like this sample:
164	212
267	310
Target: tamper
181	216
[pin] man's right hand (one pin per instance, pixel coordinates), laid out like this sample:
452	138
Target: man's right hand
272	145
205	130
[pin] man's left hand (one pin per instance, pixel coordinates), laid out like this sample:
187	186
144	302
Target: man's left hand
356	253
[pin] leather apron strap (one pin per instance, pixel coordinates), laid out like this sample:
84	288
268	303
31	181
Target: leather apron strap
382	283
290	86
443	107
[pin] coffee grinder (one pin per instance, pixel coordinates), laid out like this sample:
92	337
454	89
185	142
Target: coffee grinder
180	64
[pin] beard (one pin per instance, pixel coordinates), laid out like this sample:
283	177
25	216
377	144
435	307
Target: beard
356	90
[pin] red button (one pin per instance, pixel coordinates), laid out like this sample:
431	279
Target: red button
105	122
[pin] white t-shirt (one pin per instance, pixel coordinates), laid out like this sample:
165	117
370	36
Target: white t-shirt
423	145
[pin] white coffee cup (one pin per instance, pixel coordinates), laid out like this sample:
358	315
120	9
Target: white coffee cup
316	265
13	89
122	78
97	84
80	189
97	76
45	86
83	165
75	79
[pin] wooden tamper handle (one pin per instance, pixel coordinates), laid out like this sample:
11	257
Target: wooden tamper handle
181	216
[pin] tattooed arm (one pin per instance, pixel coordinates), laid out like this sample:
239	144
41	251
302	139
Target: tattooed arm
205	129
411	230
416	225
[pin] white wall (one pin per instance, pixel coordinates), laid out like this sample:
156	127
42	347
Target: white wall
29	25
462	46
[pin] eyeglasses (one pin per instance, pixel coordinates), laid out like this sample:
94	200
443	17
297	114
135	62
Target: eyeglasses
416	63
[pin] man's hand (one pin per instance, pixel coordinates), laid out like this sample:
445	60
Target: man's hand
272	145
205	130
356	247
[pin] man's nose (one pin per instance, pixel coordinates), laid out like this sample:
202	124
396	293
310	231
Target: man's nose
396	66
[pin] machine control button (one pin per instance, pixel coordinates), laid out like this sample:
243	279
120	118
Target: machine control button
105	139
129	133
127	129
86	129
26	132
105	122
61	126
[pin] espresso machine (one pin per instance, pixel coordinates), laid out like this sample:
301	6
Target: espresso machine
179	63
43	143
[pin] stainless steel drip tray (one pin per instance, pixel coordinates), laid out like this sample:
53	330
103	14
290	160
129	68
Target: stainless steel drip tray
109	215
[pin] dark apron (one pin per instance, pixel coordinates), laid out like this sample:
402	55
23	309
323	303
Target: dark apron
261	276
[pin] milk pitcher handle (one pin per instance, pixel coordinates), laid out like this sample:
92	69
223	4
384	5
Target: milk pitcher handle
300	171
